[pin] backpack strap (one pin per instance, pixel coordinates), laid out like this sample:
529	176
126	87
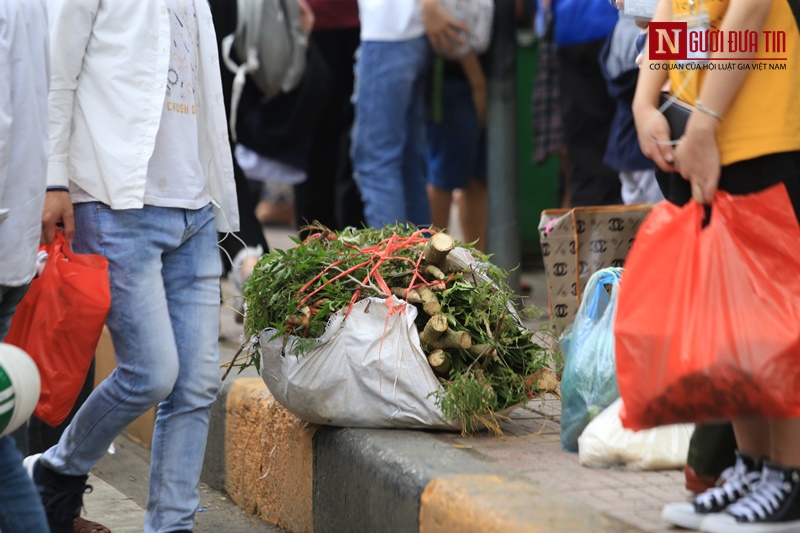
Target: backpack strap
248	26
240	71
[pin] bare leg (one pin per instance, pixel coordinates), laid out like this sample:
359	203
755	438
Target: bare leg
785	448
473	212
440	200
753	437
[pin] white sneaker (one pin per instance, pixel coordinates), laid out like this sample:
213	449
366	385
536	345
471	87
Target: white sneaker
682	514
29	462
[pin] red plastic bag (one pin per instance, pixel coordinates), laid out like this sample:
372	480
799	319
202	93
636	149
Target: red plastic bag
708	320
59	323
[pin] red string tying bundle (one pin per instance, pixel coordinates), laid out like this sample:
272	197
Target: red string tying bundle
375	256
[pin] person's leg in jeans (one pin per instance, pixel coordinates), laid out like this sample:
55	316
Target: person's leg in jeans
163	320
414	166
20	507
387	86
181	429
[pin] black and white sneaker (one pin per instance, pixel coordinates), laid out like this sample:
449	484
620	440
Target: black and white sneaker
773	506
734	483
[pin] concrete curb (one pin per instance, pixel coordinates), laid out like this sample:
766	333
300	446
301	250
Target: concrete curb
303	478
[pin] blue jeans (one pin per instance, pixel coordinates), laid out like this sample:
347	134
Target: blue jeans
10	297
20	506
388	134
164	268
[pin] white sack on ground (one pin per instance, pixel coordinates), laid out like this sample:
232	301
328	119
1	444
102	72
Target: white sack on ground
604	443
364	371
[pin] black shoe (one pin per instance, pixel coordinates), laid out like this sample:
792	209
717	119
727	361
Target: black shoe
62	496
773	506
734	484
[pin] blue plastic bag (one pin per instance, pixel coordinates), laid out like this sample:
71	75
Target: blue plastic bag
589	383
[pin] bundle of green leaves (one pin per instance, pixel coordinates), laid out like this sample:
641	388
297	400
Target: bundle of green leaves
295	291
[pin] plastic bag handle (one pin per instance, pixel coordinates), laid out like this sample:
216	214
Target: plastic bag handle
606	277
60	247
720	204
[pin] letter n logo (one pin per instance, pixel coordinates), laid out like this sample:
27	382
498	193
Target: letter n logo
668	41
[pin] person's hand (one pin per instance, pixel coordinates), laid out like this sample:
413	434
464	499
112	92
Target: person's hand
442	29
697	157
620	4
306	17
653	131
57	209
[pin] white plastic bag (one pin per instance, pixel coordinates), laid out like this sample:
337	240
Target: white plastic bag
367	370
478	15
605	443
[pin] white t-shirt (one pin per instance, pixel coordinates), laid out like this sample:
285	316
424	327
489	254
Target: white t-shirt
175	175
390	20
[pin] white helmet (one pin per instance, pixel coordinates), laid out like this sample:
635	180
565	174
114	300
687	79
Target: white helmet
19	388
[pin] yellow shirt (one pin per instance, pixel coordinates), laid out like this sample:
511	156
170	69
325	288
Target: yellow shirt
764	117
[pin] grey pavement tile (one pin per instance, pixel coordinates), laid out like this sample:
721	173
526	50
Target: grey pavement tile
635	497
110	507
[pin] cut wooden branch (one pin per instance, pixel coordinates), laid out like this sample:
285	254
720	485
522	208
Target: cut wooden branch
430	303
437	248
434	272
543	381
301	318
482	350
412	298
440	362
438	286
434	328
452	340
317	305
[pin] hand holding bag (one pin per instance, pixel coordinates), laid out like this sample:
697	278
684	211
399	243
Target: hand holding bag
59	323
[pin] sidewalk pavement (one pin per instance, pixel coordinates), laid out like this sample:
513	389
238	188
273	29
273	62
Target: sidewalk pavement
304	477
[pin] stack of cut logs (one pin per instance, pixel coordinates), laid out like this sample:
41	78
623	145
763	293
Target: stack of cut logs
438	337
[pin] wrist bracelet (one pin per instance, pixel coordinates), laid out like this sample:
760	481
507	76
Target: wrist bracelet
703	109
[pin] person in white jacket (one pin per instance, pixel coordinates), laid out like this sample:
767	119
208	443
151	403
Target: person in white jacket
140	172
23	166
